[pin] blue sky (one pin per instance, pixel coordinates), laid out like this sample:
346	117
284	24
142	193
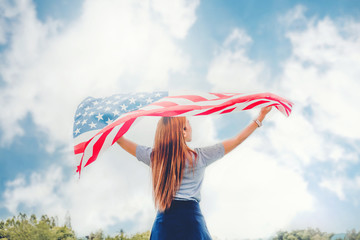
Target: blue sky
295	172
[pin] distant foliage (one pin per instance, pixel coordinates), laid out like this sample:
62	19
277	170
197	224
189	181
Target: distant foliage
122	236
308	234
352	235
46	228
24	228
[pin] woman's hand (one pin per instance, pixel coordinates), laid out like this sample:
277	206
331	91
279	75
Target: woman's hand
263	112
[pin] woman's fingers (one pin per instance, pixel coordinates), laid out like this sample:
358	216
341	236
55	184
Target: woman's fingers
265	110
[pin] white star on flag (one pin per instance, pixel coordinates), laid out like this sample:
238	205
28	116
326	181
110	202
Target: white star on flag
123	107
99	116
132	100
109	121
116	112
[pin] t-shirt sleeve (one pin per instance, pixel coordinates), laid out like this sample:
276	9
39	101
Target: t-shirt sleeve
143	154
210	154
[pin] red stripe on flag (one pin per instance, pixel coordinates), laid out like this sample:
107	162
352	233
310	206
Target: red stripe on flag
169	113
255	104
212	110
80	148
97	147
78	169
228	110
125	127
220	95
193	98
285	106
273	105
164	104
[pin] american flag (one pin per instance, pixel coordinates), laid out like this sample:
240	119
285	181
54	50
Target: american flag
100	122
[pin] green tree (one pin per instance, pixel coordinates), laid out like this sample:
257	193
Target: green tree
141	236
308	234
352	235
3	232
64	233
68	220
21	227
99	235
33	219
43	229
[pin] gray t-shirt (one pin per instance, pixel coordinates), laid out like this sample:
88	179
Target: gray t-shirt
191	182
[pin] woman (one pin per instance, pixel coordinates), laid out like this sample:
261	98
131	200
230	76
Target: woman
177	174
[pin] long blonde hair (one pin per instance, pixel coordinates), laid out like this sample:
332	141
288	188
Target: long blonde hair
168	159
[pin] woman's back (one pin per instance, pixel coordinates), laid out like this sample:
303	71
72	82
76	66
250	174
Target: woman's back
192	179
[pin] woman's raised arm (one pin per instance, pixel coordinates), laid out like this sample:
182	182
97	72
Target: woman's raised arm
232	143
127	145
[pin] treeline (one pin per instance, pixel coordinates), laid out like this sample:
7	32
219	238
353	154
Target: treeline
23	227
99	235
315	234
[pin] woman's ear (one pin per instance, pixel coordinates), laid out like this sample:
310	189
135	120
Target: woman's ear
184	132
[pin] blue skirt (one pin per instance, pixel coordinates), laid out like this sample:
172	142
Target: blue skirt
183	220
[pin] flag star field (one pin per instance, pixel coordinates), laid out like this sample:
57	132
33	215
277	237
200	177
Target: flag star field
95	114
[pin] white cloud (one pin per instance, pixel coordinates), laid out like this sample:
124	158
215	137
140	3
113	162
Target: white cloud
345	188
237	40
204	131
232	67
334	185
116	188
249	190
252	187
321	78
178	15
39	189
294	16
322	81
114	46
296	138
320	73
231	70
